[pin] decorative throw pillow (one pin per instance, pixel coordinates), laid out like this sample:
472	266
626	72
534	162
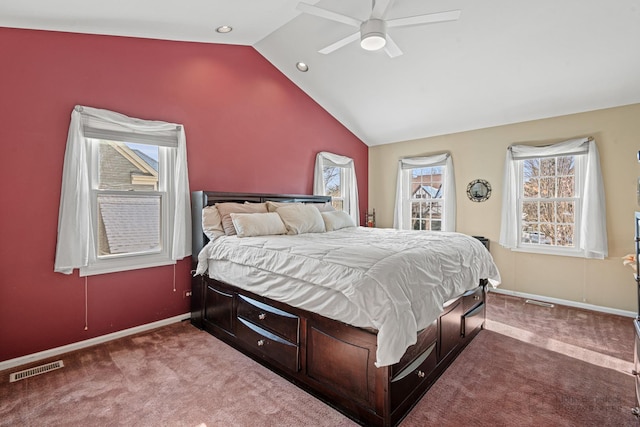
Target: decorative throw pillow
272	206
225	210
300	219
257	224
211	222
336	220
323	207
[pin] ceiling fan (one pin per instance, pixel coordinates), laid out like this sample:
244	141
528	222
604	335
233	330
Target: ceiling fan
373	32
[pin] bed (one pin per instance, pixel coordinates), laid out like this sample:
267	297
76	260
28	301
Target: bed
332	311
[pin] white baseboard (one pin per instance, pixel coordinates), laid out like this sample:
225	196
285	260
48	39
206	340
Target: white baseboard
569	303
23	360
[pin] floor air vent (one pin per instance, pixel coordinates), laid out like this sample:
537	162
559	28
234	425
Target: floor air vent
32	372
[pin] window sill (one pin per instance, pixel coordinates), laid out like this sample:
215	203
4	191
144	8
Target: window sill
115	266
575	253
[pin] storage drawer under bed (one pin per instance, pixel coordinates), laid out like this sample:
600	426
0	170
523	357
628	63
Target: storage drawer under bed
406	381
279	322
472	320
472	298
268	344
425	338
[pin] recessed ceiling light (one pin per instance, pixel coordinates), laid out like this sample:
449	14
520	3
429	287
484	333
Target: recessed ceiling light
302	67
224	29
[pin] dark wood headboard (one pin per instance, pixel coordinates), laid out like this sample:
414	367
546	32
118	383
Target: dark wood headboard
200	199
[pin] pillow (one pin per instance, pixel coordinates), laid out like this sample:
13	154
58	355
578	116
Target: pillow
336	220
300	219
272	206
211	222
225	210
257	224
323	207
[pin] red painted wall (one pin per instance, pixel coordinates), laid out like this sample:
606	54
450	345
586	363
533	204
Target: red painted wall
248	129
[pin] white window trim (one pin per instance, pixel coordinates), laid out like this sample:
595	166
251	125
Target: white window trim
349	183
76	223
411	200
591	230
580	166
129	261
402	214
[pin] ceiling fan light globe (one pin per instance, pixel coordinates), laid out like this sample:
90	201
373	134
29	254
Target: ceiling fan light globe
373	34
373	41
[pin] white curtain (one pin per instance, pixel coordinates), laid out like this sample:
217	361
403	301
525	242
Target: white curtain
349	186
402	215
75	236
593	229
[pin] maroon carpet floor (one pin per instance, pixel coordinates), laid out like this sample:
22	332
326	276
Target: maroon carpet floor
532	366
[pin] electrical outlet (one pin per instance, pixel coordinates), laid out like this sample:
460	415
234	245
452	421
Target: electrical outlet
187	294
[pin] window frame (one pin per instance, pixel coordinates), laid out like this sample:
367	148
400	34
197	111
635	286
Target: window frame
342	186
102	264
402	214
575	251
412	200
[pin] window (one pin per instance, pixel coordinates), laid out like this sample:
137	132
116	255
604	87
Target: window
549	201
552	196
125	196
425	198
335	176
128	197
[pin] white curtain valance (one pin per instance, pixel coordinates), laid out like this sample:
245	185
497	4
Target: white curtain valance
75	237
593	229
112	126
350	186
402	214
571	147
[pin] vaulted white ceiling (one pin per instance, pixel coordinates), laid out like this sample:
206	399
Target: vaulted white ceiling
503	61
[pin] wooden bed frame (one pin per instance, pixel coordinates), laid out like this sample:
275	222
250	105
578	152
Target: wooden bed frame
329	359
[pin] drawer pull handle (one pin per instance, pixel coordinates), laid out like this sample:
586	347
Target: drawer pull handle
262	316
634	372
420	374
260	343
476	297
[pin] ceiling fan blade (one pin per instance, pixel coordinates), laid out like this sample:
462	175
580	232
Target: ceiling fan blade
340	43
430	18
392	48
327	14
380	8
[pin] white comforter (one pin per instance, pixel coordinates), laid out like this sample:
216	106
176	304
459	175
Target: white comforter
393	281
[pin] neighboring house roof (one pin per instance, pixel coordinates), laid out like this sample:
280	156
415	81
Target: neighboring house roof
132	223
431	191
149	160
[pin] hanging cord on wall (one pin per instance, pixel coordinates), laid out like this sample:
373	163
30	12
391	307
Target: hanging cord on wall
86	305
174	277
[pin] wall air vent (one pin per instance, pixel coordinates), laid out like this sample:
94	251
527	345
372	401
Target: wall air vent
32	372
